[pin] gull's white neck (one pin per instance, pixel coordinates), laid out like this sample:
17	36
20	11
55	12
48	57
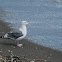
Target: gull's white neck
23	29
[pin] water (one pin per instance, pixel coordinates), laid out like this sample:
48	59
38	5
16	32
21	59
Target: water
45	17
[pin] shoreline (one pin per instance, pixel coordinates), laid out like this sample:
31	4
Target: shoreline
29	49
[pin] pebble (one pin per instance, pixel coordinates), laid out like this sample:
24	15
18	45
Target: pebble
50	54
12	46
9	51
0	51
36	47
48	57
45	61
22	47
0	55
31	61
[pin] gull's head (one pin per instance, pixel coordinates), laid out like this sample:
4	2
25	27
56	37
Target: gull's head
25	23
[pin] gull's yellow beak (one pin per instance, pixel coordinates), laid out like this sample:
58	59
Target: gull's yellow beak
28	24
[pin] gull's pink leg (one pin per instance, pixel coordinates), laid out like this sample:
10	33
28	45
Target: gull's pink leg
17	43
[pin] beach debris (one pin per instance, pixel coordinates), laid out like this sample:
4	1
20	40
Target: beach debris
9	58
32	61
37	61
11	52
14	58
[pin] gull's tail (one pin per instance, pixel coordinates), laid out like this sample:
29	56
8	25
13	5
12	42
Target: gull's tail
3	37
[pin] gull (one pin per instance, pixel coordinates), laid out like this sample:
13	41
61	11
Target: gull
18	34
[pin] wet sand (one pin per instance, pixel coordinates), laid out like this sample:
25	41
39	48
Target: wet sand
29	49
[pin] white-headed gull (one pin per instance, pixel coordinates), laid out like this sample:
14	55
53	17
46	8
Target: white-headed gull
18	35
